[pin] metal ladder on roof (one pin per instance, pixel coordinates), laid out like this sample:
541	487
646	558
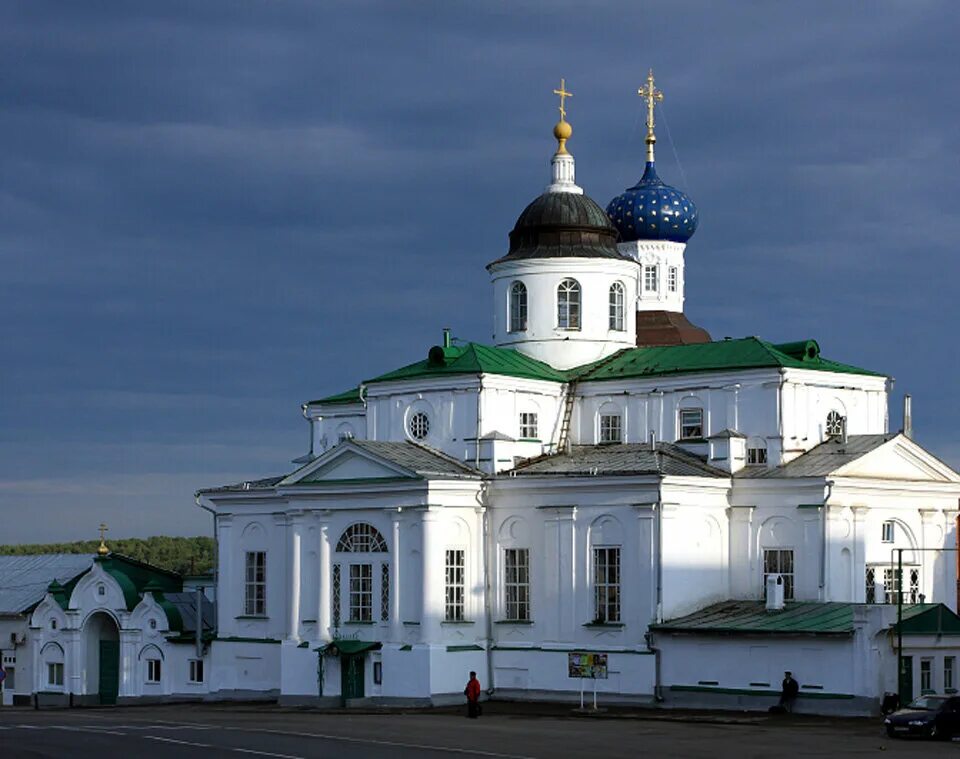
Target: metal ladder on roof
564	439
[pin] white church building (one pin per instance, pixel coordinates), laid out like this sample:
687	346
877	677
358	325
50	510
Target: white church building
604	478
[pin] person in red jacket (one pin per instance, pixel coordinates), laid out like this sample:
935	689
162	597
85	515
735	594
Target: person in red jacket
472	692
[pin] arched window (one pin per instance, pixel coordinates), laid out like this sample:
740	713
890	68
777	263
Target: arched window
616	306
568	304
834	424
518	307
361	538
419	425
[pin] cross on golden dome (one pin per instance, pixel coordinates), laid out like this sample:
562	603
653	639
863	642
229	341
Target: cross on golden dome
562	92
652	95
103	550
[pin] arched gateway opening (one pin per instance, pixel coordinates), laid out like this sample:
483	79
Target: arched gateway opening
103	657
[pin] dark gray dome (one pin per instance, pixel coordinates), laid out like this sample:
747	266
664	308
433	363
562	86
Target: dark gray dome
562	225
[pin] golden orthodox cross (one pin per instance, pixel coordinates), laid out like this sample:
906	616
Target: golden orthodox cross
652	95
562	92
102	550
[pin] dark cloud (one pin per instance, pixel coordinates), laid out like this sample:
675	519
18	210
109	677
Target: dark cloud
213	211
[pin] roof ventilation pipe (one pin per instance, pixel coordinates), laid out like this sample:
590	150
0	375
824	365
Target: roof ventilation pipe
908	416
775	597
653	440
843	430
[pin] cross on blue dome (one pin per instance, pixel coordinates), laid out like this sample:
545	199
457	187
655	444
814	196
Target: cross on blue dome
652	210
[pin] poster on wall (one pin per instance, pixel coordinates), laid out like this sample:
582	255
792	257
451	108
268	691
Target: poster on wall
587	666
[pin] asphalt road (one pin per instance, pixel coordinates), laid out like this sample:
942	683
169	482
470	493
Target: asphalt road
245	731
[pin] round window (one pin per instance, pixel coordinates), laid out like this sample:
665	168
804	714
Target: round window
419	425
834	424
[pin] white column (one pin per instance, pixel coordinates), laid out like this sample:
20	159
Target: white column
228	591
294	528
859	554
396	624
323	580
432	595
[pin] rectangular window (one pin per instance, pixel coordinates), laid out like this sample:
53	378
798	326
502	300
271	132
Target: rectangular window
378	673
948	666
255	590
611	428
384	592
335	596
870	595
606	584
361	592
926	675
892	587
153	670
650	277
779	561
691	423
55	673
756	456
672	279
196	670
516	584
455	584
888	532
528	426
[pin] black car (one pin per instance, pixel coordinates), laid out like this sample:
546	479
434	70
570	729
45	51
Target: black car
929	716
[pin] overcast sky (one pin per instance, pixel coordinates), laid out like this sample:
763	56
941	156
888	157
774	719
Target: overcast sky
211	212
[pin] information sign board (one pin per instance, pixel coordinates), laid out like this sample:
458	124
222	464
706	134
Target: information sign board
587	666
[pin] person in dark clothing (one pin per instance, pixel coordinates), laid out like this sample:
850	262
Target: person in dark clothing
789	690
472	692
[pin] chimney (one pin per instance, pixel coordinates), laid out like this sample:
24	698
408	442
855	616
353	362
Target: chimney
775	601
908	416
843	430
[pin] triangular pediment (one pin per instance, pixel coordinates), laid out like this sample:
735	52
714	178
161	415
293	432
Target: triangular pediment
899	459
347	463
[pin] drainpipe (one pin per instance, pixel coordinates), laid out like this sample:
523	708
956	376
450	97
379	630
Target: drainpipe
823	544
199	624
479	422
216	556
657	684
487	604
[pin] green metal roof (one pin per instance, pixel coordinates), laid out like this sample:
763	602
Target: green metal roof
929	619
347	396
796	618
653	361
745	353
473	358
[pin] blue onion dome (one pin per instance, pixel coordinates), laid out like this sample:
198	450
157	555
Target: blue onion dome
652	210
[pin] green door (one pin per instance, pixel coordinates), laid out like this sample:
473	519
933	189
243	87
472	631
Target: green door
351	676
906	680
109	671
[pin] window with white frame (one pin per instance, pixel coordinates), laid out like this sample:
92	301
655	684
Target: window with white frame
779	561
361	537
672	279
55	673
255	587
196	670
611	428
888	531
568	304
516	584
419	425
518	307
834	426
926	675
384	592
153	670
949	663
891	585
335	595
528	425
454	584
756	453
606	584
617	307
651	279
691	423
361	592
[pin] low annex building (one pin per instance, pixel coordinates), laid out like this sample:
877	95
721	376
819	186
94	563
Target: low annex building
602	469
102	629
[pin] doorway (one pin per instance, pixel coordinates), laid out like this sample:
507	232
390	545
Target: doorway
103	658
351	676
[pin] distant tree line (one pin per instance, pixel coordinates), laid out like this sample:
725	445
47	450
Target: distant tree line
184	555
